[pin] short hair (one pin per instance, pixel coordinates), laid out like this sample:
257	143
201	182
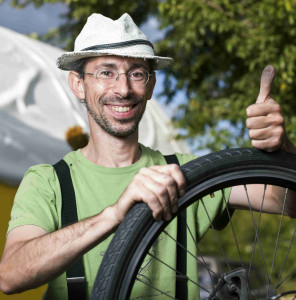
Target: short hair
79	66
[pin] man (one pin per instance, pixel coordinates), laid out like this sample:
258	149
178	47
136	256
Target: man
112	70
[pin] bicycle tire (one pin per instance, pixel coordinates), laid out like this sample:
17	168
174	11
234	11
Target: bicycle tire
204	175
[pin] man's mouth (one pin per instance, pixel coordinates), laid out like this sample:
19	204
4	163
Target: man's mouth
121	109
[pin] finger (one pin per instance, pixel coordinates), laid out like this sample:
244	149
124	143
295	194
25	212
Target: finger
160	191
175	172
137	191
263	109
153	203
168	182
267	78
273	133
269	145
260	134
257	122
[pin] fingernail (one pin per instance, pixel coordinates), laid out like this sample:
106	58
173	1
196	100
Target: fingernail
182	192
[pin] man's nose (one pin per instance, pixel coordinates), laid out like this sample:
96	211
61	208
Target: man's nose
122	85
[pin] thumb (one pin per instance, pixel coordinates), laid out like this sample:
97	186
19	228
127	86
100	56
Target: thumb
267	77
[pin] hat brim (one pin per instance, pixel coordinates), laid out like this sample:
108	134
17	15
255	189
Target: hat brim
66	59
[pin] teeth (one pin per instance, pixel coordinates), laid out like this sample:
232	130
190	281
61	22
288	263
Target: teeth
121	108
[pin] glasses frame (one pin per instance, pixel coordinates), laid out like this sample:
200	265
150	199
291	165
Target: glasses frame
118	74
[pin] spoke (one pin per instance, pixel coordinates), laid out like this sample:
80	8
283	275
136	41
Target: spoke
257	237
278	235
286	277
154	288
200	254
257	230
216	236
234	235
232	228
283	266
176	271
179	244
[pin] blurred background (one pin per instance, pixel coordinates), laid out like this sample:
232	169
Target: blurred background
220	48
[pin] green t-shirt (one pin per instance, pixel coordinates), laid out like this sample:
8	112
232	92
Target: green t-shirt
38	202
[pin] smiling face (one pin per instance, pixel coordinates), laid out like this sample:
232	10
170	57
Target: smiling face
117	109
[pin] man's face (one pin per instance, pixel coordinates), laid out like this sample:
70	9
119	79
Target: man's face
117	109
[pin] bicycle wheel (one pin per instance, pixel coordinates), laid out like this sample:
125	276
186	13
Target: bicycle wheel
206	176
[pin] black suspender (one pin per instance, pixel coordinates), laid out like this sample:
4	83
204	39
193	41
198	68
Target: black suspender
75	273
181	282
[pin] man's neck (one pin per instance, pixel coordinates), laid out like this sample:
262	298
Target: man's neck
110	151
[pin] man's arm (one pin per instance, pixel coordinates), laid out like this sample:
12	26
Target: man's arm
242	197
32	257
266	125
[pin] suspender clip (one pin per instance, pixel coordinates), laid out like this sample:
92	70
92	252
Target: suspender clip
76	280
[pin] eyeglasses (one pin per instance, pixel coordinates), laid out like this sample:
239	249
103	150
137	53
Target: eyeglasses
109	77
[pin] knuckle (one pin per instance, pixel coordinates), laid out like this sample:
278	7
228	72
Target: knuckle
248	122
277	107
249	110
252	134
169	181
174	168
279	119
143	170
280	131
162	191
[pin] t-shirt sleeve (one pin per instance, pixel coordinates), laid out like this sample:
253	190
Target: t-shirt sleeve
211	208
35	201
211	211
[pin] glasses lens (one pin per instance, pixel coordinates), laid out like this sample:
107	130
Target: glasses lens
107	77
138	77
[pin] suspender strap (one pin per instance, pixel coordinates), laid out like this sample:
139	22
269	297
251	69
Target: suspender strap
181	282
75	273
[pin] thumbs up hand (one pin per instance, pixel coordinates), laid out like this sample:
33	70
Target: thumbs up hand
265	119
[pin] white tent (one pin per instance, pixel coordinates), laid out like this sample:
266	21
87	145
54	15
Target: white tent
37	107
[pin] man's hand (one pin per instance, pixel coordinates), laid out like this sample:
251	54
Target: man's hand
158	186
265	119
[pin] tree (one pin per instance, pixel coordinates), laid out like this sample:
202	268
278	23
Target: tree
220	49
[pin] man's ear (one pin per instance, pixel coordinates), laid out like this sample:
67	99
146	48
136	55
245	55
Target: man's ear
152	82
76	84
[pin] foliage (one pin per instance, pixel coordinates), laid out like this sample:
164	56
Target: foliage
220	48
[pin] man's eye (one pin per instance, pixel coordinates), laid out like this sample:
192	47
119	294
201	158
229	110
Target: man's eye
137	75
107	74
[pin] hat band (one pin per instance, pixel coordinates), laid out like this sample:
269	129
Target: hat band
119	45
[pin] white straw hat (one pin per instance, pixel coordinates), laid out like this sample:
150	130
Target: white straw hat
102	36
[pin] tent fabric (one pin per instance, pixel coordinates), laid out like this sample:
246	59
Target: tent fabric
37	107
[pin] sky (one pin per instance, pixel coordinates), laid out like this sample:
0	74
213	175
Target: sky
31	19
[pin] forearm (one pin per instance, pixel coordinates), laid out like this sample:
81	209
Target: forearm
284	200
32	263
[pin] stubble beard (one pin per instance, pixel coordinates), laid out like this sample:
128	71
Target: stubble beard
107	125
